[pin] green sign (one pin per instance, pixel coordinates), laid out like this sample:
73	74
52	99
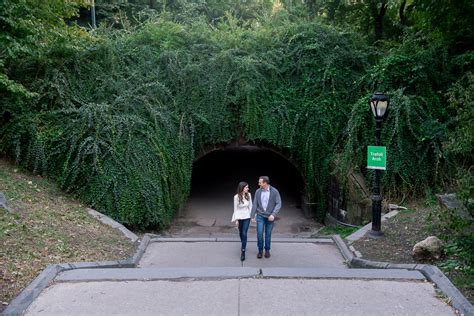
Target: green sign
377	157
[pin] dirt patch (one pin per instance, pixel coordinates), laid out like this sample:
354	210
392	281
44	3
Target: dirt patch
47	227
403	231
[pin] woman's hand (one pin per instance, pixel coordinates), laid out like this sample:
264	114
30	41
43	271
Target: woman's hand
237	223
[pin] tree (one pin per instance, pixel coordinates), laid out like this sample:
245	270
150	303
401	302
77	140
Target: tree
28	28
378	9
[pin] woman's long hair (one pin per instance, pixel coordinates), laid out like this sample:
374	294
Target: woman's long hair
240	192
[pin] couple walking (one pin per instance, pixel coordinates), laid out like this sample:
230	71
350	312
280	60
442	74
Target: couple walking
263	210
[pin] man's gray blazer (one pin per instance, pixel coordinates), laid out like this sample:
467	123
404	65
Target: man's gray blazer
274	203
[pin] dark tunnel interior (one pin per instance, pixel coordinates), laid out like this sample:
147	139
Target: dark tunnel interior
217	174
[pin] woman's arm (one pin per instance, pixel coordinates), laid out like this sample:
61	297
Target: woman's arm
236	201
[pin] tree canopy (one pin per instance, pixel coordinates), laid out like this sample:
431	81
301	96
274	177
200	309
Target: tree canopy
117	114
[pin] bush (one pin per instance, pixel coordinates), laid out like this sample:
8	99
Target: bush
118	117
125	140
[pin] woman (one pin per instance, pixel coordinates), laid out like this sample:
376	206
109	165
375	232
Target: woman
241	216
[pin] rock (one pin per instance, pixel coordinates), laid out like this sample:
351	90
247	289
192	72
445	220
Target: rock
450	203
395	207
3	203
430	248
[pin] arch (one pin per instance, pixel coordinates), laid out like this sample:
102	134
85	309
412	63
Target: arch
243	145
218	169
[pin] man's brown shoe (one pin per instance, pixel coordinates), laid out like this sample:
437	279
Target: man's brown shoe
259	255
267	254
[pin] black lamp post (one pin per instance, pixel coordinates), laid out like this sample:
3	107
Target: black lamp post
379	104
94	26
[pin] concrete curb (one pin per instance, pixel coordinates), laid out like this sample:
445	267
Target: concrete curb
141	249
319	240
346	253
334	273
183	239
112	223
154	274
435	275
21	302
432	273
361	232
19	305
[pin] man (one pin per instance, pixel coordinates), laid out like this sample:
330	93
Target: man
266	205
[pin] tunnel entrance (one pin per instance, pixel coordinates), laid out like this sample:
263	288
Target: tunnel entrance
214	182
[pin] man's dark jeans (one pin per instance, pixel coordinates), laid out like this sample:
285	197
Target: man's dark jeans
263	224
243	229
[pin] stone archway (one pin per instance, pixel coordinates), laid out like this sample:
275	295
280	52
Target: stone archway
216	173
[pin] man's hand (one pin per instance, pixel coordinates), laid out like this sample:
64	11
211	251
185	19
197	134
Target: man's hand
254	220
271	218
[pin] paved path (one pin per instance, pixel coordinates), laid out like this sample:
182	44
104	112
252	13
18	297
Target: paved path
206	277
210	216
227	254
241	297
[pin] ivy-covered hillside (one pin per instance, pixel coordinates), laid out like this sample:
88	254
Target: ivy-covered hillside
117	114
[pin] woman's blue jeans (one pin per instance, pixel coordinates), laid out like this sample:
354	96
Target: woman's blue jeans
243	229
263	224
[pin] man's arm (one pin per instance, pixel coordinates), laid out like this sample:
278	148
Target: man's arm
277	207
250	203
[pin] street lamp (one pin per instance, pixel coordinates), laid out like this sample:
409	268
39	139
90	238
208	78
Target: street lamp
94	26
379	105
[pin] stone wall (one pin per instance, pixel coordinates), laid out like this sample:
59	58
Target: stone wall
351	204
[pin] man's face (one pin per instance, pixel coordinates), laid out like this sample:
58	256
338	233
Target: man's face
262	184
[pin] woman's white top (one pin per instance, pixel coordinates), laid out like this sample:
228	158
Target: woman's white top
242	210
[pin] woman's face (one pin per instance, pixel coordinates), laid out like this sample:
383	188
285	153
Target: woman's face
246	189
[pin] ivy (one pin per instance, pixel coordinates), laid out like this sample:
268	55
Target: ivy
117	118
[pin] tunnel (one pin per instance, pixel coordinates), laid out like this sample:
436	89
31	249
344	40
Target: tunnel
214	181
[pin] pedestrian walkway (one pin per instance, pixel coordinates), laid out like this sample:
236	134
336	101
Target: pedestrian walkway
227	254
204	276
248	296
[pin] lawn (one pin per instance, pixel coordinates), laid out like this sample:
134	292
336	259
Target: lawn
46	227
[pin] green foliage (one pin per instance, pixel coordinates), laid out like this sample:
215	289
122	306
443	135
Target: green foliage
125	141
463	250
448	21
117	117
124	14
460	142
415	128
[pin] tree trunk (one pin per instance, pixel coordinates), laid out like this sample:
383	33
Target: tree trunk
153	4
332	9
378	15
311	7
401	13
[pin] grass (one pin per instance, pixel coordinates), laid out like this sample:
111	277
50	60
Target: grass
343	231
46	227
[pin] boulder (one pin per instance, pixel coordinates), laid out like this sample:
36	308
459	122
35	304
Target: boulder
3	203
451	203
428	249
